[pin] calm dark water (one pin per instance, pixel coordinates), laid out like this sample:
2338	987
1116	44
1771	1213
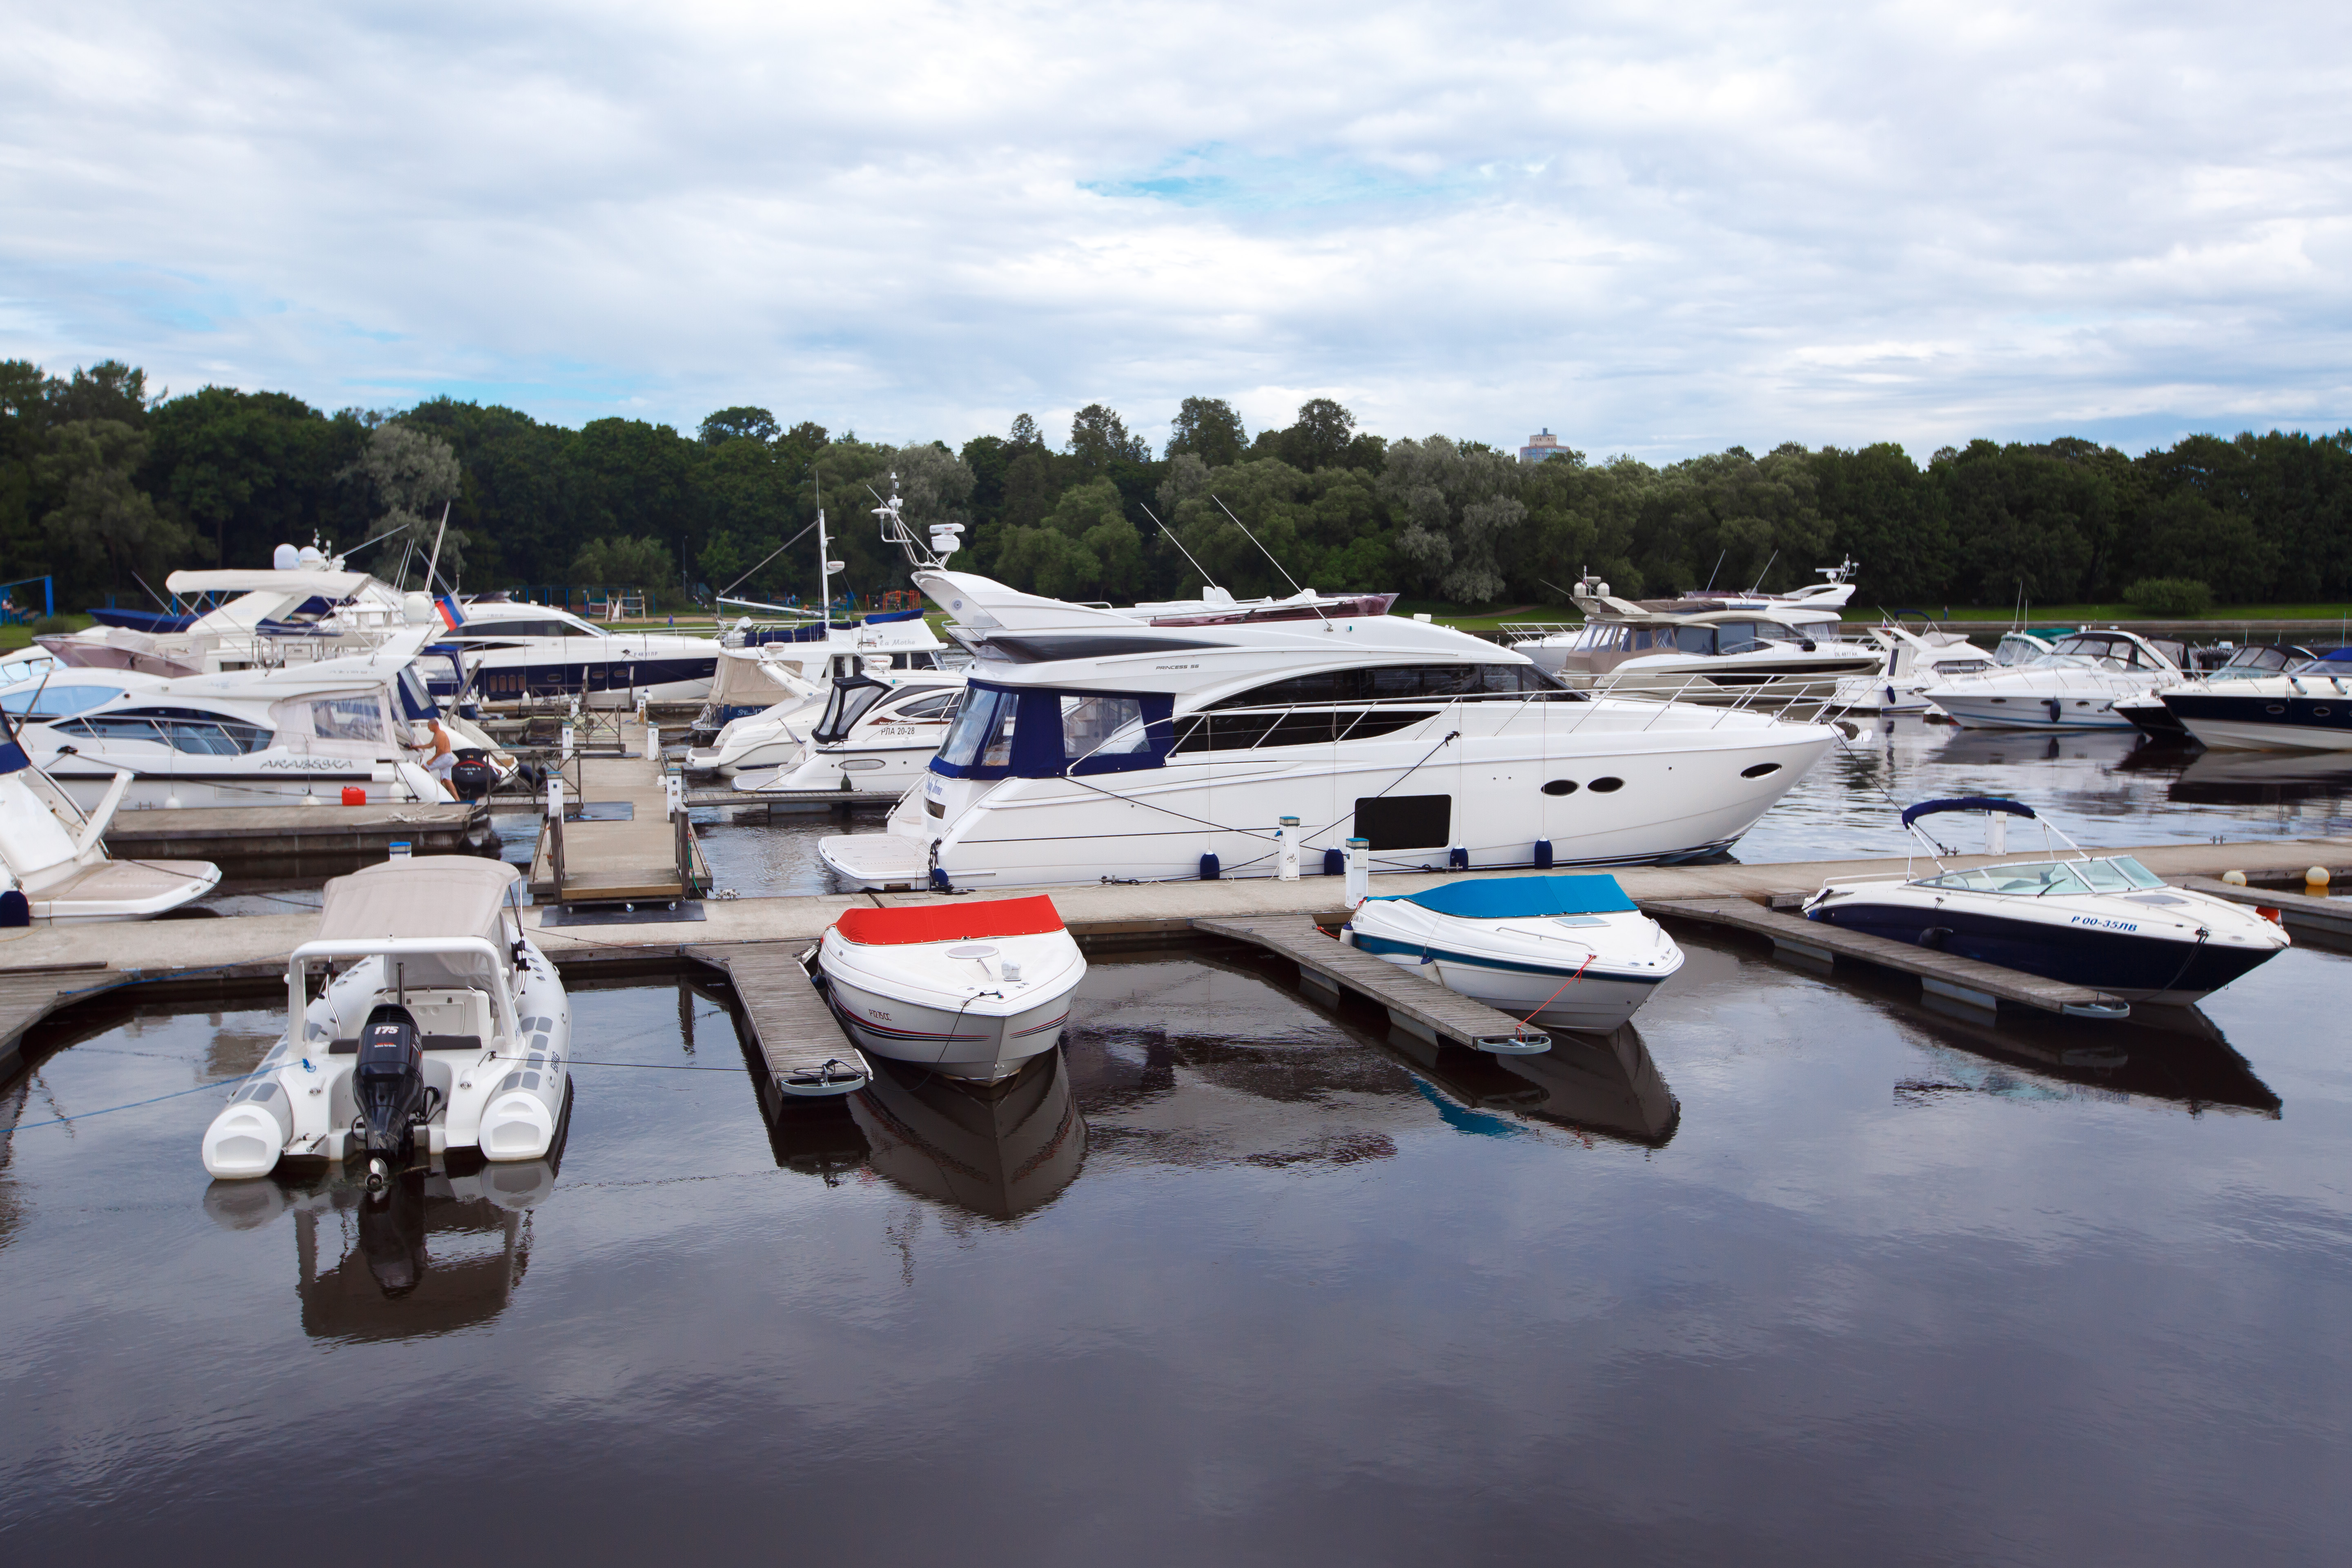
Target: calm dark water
1801	1272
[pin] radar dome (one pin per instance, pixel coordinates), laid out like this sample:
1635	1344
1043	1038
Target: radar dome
285	557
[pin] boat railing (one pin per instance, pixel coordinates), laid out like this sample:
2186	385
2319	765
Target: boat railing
1535	631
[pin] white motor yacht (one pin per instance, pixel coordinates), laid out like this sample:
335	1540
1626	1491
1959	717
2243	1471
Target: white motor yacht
972	989
2020	647
305	608
1915	660
440	1026
247	738
54	855
2306	709
1832	593
2105	922
1565	952
774	735
512	651
1703	651
754	681
2073	687
1093	745
875	735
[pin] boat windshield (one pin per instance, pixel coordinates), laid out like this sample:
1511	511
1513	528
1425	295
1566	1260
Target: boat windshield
2114	874
982	734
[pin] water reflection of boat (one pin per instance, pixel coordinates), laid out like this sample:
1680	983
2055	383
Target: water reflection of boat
1995	747
2163	1053
2263	778
442	1253
1606	1084
999	1150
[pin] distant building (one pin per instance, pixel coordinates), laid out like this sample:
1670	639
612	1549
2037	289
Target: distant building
1541	445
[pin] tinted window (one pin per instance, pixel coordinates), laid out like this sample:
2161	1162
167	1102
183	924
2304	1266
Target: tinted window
1391	682
982	733
57	702
935	706
1112	726
114	729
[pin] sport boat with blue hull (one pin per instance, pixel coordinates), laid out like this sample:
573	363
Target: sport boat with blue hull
1565	952
2102	921
2256	661
2074	686
437	1028
2307	709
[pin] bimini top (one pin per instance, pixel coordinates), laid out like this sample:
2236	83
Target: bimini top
439	896
958	922
1522	898
1964	802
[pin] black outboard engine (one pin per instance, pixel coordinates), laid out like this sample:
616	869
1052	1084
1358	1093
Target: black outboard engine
471	775
389	1086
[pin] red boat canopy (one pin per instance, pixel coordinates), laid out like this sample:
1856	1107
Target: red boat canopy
950	922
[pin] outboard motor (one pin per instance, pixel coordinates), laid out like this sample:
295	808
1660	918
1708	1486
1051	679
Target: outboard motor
471	775
389	1085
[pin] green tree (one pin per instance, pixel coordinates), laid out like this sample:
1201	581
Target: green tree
103	528
1208	428
617	561
740	424
1097	436
1457	514
412	475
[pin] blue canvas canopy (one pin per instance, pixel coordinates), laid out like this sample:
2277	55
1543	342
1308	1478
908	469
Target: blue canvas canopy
1523	897
1964	802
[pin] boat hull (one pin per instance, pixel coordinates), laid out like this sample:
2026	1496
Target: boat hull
1592	1002
2135	966
2265	723
944	1039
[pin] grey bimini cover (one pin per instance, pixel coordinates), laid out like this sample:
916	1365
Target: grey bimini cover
438	896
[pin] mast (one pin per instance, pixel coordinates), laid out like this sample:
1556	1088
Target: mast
823	565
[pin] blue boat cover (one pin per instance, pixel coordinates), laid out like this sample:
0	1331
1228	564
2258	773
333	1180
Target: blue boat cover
1964	802
1522	898
2337	655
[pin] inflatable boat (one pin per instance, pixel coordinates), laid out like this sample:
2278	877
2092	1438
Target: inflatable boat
436	1027
969	989
1564	953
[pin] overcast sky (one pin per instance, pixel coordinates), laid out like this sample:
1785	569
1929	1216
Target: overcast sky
1656	228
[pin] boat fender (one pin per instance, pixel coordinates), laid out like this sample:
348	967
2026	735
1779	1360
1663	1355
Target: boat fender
1935	937
1210	870
1335	863
1457	859
939	883
1543	854
2054	707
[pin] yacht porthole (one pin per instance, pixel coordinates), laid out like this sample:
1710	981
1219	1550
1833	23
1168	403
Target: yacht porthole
2000	699
1759	770
2319	712
1560	786
1603	786
2275	708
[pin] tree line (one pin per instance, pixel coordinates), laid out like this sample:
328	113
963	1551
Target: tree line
108	489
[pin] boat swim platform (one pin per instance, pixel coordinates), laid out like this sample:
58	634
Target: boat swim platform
296	841
44	969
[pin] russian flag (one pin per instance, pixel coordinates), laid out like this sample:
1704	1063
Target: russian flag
451	616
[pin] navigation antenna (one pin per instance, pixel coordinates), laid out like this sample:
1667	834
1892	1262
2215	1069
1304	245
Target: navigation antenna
1270	556
947	538
1759	576
1169	535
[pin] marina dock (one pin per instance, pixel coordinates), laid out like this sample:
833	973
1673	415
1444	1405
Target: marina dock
617	841
756	942
294	840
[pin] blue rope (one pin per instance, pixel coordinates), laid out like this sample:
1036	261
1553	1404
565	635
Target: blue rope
61	1120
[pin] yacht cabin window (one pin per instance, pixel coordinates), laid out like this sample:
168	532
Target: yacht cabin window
982	733
57	702
1109	726
348	718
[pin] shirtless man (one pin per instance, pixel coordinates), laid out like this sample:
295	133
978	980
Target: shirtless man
444	756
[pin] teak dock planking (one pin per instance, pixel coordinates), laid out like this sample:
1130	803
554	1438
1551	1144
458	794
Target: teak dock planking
641	858
757	940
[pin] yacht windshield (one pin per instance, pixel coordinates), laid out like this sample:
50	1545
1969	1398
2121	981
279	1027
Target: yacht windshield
57	701
983	735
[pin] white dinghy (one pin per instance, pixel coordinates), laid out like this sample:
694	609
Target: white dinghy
1566	953
971	990
438	1028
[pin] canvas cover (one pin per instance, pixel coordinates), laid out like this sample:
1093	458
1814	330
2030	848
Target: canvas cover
960	922
1522	898
438	896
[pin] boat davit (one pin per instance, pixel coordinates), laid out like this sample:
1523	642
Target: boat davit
2102	922
971	990
436	1028
1567	952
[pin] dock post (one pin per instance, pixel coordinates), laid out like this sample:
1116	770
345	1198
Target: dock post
1286	841
1359	870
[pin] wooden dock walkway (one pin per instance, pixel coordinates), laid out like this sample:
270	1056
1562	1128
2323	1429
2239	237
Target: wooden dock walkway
632	850
805	1053
1415	1005
797	800
1968	979
2302	914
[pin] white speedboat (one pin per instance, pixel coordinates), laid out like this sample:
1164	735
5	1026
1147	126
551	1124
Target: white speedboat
875	735
970	989
1566	953
1915	660
1703	651
2073	687
54	855
253	737
440	1026
2306	709
2105	922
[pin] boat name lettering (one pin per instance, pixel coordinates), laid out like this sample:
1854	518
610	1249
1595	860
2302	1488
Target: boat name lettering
2106	924
308	765
1175	667
877	1013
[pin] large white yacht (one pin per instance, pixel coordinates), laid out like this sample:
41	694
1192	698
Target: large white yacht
304	609
2073	687
1703	651
874	735
1916	660
243	738
1091	744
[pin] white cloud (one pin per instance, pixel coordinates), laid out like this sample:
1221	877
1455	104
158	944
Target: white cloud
1650	229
